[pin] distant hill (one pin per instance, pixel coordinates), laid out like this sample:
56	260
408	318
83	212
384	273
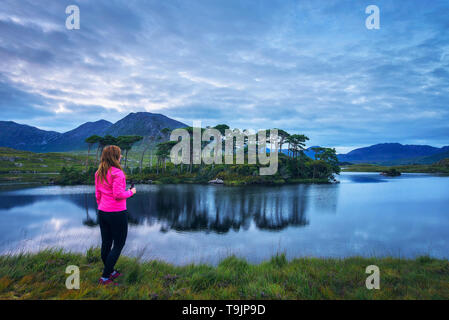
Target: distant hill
74	139
28	138
24	137
394	153
425	160
308	152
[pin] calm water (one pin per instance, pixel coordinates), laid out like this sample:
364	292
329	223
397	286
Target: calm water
366	214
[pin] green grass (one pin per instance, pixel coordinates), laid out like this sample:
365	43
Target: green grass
412	168
42	276
24	166
18	166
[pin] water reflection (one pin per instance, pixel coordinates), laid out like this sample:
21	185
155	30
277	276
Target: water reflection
219	209
89	222
187	208
406	215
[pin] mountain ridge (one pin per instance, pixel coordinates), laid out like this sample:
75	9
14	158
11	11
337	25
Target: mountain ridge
29	138
24	137
391	153
74	139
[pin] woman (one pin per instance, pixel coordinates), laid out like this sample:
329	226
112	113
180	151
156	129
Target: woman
111	194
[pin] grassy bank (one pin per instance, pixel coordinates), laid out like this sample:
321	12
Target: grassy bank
415	168
42	276
228	179
18	166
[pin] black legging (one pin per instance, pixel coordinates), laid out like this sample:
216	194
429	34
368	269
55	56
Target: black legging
114	228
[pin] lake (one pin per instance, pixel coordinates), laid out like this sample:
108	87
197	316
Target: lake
366	214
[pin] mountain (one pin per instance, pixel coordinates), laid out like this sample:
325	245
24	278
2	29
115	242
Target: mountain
391	153
436	157
23	137
74	139
143	124
28	138
427	159
308	152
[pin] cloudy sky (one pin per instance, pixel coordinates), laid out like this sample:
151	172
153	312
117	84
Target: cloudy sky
305	66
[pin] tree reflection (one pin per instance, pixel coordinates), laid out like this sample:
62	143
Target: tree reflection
89	222
218	209
190	208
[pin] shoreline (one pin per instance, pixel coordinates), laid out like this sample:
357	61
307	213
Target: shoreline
176	181
165	180
416	168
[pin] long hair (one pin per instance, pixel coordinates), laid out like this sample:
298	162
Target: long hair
110	157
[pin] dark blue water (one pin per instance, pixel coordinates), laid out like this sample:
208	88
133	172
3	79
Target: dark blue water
366	214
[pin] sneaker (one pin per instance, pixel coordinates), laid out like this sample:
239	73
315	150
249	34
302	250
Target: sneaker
106	282
115	275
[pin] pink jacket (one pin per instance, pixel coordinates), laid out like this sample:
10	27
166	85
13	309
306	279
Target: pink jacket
112	194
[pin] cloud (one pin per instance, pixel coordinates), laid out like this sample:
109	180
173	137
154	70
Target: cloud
308	66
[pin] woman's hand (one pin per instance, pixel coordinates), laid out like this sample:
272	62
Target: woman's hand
134	190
